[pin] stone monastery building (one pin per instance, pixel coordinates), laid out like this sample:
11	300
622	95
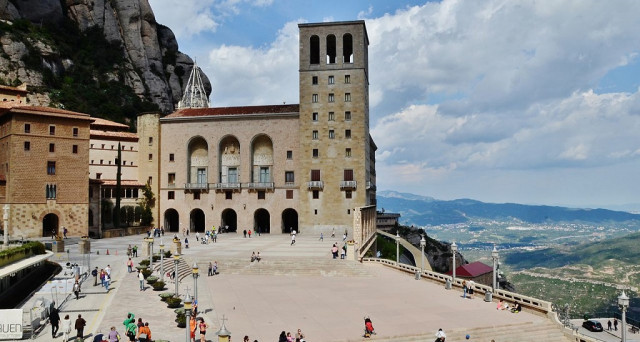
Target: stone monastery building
270	168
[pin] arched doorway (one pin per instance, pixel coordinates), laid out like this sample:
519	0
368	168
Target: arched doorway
290	220
50	225
229	220
262	221
172	221
197	221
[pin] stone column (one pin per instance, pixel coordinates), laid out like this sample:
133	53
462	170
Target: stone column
5	227
351	250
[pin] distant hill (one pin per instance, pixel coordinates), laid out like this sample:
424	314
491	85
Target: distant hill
623	249
422	211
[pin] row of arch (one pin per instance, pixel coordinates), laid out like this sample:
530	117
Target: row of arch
331	49
229	221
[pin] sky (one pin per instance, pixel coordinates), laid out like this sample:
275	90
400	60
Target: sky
529	101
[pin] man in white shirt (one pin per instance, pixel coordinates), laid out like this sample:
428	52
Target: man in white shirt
440	335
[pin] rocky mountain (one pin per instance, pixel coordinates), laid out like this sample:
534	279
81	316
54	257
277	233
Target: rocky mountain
78	54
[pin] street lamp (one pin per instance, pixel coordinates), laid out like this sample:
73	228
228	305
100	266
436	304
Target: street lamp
150	245
397	248
194	272
454	249
224	335
423	243
176	260
161	260
623	303
494	256
187	312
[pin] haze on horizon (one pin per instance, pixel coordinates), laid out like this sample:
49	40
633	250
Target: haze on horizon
533	102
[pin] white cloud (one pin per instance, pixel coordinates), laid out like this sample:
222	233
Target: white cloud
185	17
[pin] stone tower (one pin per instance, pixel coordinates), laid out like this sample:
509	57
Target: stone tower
337	155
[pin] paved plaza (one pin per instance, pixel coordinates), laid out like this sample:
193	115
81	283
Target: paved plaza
293	287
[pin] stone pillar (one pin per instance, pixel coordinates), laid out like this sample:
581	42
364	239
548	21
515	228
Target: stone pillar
84	246
176	247
5	226
58	245
351	250
146	250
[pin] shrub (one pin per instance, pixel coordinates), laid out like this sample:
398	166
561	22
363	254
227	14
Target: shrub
181	319
144	262
165	295
167	254
151	280
146	272
158	285
173	302
155	258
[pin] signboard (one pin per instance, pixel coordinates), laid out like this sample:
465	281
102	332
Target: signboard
10	324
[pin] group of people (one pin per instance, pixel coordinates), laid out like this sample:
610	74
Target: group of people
467	288
502	305
342	251
255	257
198	324
157	232
104	275
132	251
213	268
139	331
56	322
286	337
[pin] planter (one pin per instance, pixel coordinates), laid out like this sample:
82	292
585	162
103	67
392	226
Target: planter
151	280
165	295
146	273
181	319
158	285
144	262
173	302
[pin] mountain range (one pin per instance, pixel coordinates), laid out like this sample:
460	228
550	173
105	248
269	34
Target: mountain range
425	211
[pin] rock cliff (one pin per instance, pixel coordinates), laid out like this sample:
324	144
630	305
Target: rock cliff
139	53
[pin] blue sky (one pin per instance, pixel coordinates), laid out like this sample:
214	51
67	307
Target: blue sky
502	101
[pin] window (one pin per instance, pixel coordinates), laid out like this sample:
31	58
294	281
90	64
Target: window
103	146
196	195
331	98
52	148
331	49
314	79
27	145
98	175
171	157
131	148
347	116
261	195
91	162
315	153
289	177
101	161
74	149
265	175
347	194
347	79
314	98
314	116
135	193
348	175
150	180
150	141
52	130
347	97
51	168
289	154
347	152
228	195
91	146
51	191
75	131
113	146
171	179
316	194
348	211
347	133
315	211
332	116
232	175
150	156
315	175
289	194
314	135
27	128
314	50
331	80
201	176
171	195
332	134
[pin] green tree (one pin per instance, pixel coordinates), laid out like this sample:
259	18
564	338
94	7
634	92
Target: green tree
148	201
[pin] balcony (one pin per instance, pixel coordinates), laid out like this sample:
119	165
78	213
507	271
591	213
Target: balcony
371	186
290	185
260	186
196	187
347	185
315	185
225	186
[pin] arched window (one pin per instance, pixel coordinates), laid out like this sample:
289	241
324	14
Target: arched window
314	50
347	48
331	49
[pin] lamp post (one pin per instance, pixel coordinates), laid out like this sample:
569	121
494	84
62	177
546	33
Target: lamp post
224	335
161	260
176	260
397	248
454	250
187	313
494	256
423	243
150	242
5	219
194	272
623	303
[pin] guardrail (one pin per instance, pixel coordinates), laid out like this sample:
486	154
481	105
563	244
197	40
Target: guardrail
225	186
196	186
260	186
348	185
315	185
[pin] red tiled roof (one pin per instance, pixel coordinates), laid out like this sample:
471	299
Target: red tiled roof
128	136
246	110
19	108
112	182
108	123
472	270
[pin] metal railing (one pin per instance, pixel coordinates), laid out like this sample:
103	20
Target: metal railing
225	186
196	186
315	185
348	185
260	186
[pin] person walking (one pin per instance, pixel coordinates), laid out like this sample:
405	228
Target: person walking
293	239
244	232
615	324
54	319
333	232
210	269
144	333
135	250
440	335
464	289
249	232
186	242
94	273
76	290
609	325
66	328
321	237
202	326
141	279
130	265
113	335
107	280
80	324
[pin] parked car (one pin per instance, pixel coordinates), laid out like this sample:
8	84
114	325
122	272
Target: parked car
592	325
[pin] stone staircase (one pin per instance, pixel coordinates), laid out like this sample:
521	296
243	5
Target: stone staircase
184	269
289	266
520	332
